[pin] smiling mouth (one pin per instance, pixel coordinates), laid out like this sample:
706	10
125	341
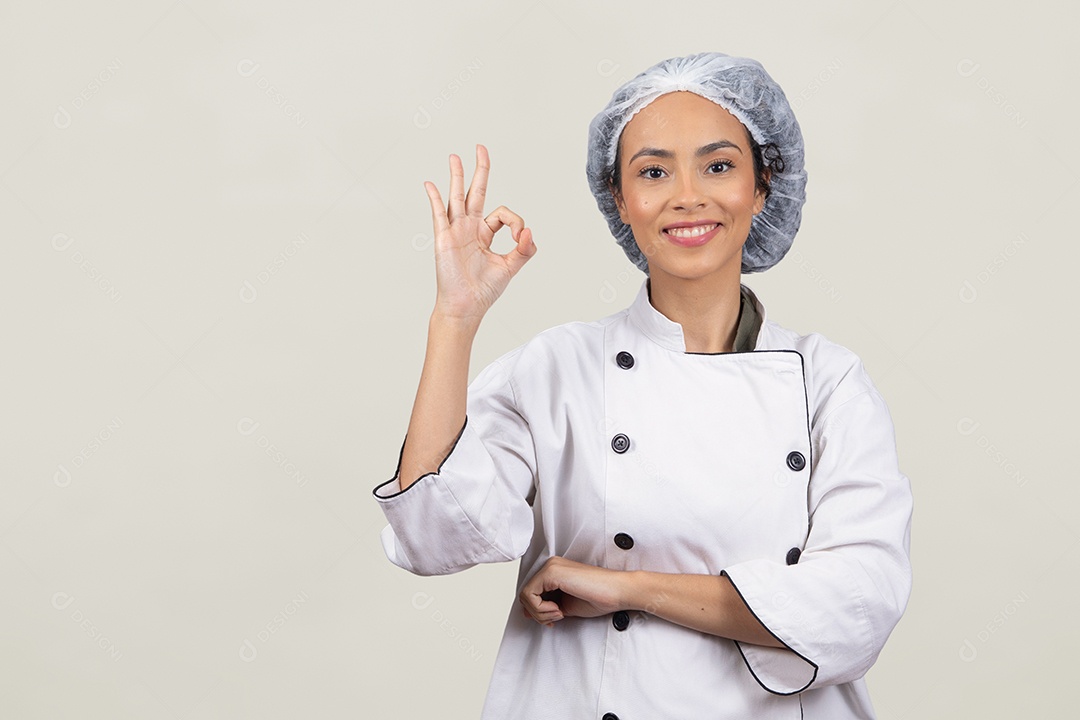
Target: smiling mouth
692	232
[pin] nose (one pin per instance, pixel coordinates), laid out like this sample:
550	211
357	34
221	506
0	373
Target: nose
687	190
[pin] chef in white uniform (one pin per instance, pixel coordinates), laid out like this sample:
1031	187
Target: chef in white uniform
709	513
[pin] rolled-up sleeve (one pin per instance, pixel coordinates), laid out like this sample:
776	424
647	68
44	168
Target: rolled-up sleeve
835	607
477	506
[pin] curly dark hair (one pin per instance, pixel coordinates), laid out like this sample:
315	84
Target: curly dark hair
766	157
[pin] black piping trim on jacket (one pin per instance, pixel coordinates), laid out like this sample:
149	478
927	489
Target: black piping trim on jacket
810	477
744	352
747	661
401	454
806	411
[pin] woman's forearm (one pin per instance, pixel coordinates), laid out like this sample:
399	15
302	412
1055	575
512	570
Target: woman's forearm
439	409
709	603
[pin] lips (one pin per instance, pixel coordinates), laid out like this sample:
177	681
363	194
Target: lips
691	234
690	230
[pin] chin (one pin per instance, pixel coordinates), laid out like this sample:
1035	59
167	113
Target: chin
688	268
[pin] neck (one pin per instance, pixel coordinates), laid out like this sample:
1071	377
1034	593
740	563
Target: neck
706	307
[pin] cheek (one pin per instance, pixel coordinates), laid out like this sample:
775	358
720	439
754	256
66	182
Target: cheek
744	199
638	205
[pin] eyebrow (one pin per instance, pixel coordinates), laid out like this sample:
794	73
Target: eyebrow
703	150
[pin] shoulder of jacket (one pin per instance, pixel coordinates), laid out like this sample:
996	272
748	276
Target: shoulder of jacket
834	373
571	336
556	344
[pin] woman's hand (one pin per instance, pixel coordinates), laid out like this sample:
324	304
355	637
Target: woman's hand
470	276
565	588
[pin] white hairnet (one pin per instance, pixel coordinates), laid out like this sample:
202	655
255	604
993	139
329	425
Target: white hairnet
742	87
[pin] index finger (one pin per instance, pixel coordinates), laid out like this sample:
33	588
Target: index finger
474	203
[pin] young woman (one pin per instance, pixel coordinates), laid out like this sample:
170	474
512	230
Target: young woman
707	506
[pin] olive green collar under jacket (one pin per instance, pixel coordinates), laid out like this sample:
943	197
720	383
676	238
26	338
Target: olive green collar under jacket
749	319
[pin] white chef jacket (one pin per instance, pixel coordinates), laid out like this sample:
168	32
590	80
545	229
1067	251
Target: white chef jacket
606	442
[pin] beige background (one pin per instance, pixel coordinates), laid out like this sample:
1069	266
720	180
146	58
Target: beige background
218	274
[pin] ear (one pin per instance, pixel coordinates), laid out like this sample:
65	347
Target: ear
759	197
619	203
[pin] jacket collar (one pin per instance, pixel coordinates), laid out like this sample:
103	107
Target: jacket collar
668	333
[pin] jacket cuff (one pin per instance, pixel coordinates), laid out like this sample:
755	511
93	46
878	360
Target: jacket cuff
431	528
392	488
781	671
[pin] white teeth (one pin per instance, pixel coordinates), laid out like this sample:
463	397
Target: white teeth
691	231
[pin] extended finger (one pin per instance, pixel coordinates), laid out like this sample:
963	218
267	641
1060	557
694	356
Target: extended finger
456	208
438	215
474	203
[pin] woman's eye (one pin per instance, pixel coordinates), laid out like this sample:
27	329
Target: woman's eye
723	165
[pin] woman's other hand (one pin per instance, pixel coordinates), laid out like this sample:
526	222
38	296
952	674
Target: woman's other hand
470	276
566	588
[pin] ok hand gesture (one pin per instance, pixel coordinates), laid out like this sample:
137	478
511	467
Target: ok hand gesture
470	276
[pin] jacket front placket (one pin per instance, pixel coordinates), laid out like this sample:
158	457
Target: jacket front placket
708	464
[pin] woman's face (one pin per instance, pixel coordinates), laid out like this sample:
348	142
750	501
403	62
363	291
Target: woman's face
686	161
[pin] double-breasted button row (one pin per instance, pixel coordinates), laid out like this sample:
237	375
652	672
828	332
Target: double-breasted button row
621	443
